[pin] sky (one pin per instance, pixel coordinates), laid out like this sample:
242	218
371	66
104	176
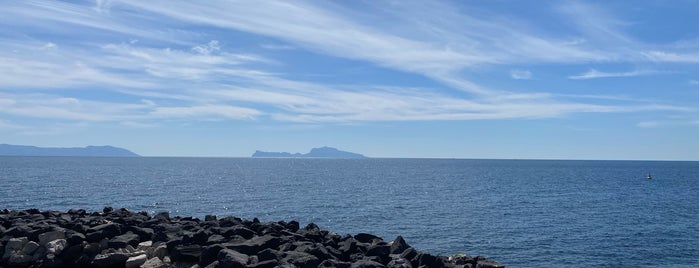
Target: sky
436	79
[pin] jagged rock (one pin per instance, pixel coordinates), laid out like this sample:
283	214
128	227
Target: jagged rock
256	244
144	233
153	263
16	244
228	258
57	246
367	238
107	230
72	253
117	259
335	263
265	264
121	241
270	254
136	261
301	259
30	248
75	238
19	259
367	264
46	237
399	245
186	253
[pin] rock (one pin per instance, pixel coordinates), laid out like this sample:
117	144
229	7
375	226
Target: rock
144	245
108	230
256	244
367	264
399	245
215	239
265	264
462	259
144	234
75	238
46	237
57	246
367	238
19	259
378	250
16	244
186	253
117	259
228	258
409	254
269	254
301	259
121	241
29	248
335	263
153	263
136	261
399	263
210	254
72	253
160	251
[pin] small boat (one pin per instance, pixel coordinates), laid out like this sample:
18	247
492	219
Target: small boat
649	176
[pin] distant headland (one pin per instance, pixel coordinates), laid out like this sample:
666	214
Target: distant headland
23	150
322	152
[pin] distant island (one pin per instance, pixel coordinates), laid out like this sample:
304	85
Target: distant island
322	152
23	150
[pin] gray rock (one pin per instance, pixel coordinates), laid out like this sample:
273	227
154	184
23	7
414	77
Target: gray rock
16	244
30	248
367	238
228	258
47	237
116	259
57	246
399	245
153	263
121	241
19	259
136	261
367	264
301	259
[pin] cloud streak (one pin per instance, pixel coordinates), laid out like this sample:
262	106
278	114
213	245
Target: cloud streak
594	74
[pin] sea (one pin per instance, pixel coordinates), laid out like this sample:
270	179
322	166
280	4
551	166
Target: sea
521	213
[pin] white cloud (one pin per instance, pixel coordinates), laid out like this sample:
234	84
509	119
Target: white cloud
207	112
521	74
662	56
593	74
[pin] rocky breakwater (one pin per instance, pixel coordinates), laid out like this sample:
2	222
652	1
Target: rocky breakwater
121	238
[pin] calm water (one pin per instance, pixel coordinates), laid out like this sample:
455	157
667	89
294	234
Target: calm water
521	213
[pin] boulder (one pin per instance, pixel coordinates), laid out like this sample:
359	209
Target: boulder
186	253
367	238
153	263
46	237
399	245
116	259
265	264
335	263
121	241
30	247
367	264
136	261
107	230
228	258
301	259
256	244
57	246
210	254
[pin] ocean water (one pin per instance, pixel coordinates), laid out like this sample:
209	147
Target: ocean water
522	213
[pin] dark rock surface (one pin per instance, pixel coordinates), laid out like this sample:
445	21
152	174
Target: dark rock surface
121	238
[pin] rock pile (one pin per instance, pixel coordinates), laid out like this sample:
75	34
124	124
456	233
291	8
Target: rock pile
120	238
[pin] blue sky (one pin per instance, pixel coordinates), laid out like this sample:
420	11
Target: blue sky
464	79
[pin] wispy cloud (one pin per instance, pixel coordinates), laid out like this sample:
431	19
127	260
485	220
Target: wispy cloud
694	82
521	74
593	74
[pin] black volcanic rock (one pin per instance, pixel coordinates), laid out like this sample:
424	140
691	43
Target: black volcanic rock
120	238
322	152
23	150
